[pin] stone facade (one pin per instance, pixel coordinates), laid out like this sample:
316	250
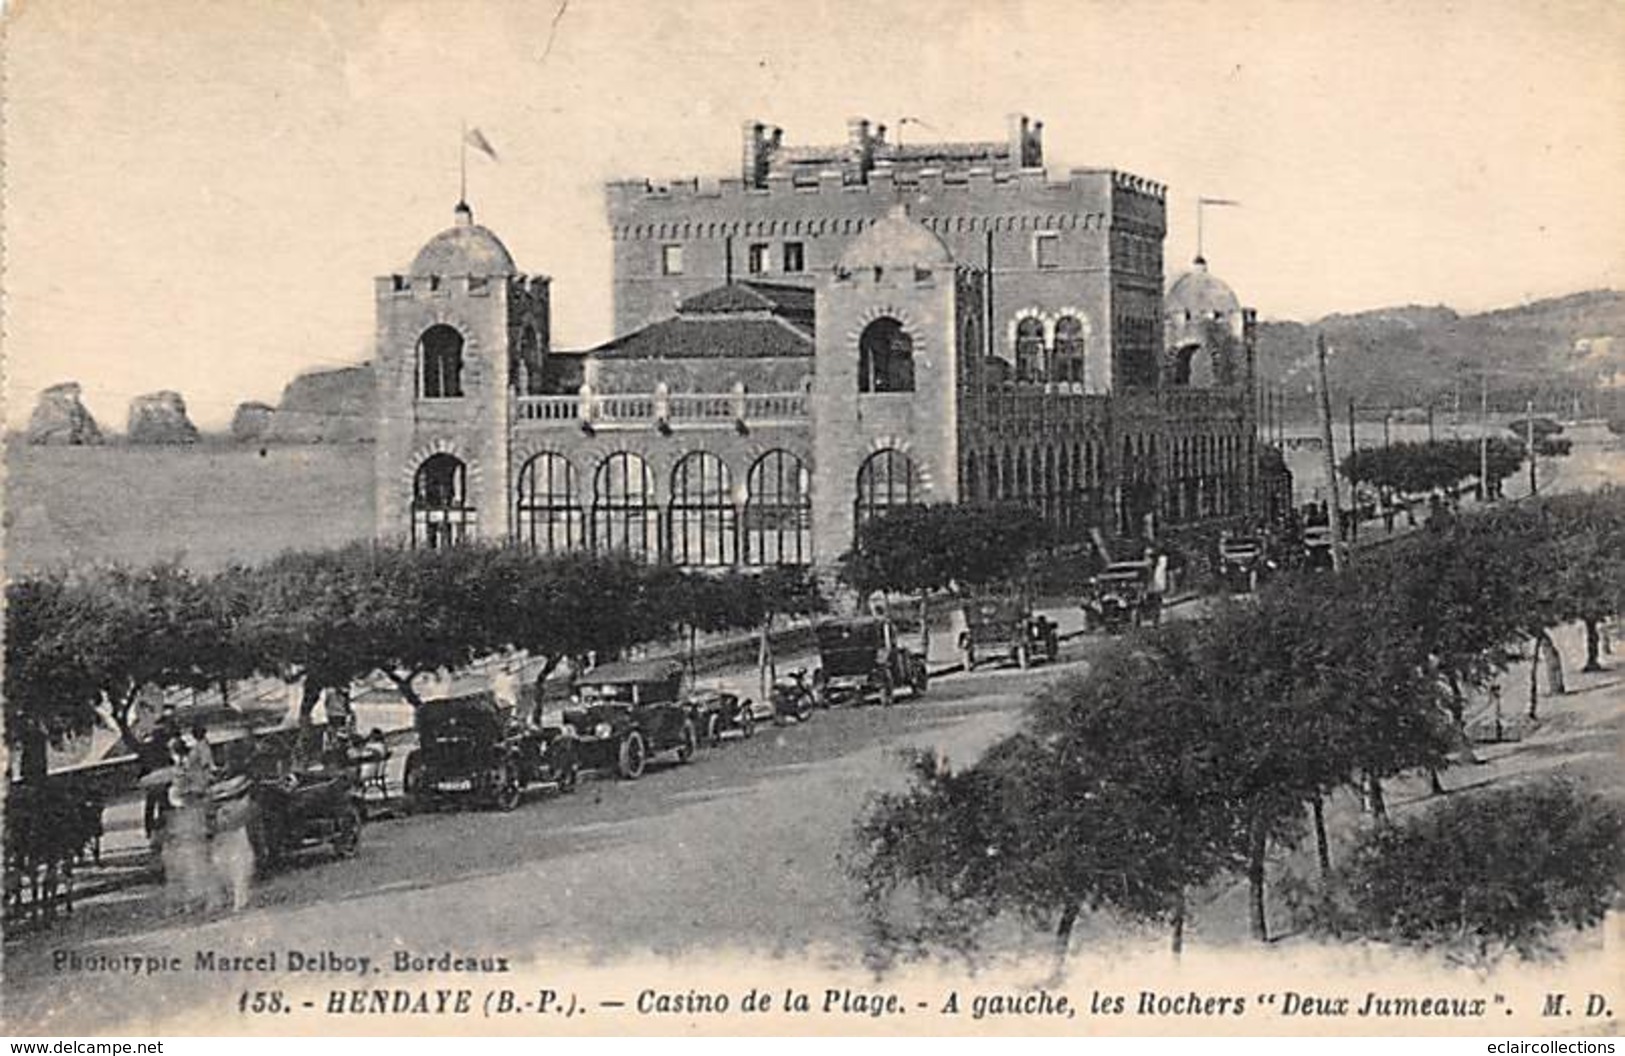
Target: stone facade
837	332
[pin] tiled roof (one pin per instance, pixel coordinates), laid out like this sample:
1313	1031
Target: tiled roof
746	320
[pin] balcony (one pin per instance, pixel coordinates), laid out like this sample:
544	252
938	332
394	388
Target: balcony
593	411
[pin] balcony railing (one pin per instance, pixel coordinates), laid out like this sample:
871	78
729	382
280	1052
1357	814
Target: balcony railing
689	409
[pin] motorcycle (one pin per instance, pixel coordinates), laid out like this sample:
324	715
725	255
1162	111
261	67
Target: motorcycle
794	698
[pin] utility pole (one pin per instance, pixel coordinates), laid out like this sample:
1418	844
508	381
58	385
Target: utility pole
1529	444
1483	438
1333	511
1354	487
1430	423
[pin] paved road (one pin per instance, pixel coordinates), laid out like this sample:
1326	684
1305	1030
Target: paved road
743	848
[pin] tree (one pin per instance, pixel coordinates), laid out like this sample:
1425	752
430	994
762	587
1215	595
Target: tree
571	605
51	691
309	621
1113	796
1591	561
1482	875
926	548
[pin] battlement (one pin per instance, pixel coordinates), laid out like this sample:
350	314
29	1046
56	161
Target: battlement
408	287
884	182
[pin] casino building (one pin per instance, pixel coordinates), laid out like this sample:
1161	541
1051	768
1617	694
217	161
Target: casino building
832	333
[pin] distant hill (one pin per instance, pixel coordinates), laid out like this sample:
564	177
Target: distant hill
1553	351
326	406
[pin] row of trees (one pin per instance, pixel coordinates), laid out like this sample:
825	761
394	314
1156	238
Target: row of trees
1419	468
88	644
1189	751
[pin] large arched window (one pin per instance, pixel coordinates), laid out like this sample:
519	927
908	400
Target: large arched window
778	511
441	513
440	363
885	357
886	481
1069	350
624	513
1030	350
550	512
704	523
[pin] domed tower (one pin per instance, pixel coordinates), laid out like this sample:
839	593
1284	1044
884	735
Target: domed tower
1208	335
884	395
1210	348
458	337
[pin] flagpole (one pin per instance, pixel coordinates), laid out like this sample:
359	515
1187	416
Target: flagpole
462	148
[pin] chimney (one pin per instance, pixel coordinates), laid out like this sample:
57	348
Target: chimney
859	148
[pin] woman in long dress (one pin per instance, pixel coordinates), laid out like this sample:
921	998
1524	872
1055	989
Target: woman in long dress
188	872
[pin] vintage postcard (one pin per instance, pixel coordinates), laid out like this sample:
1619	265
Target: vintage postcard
609	517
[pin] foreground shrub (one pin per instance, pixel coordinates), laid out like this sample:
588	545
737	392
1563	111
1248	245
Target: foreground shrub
1481	876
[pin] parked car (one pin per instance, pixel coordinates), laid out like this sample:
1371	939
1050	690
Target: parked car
861	656
625	713
473	748
1120	597
303	810
717	713
1317	548
1005	627
1243	563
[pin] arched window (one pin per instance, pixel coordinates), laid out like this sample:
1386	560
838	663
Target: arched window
994	491
550	514
441	513
440	360
885	357
778	511
970	478
704	524
1024	487
1030	350
624	513
1069	349
886	481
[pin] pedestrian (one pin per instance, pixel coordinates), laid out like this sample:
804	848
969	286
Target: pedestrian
231	853
188	878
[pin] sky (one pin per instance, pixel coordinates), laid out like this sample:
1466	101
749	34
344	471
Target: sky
198	195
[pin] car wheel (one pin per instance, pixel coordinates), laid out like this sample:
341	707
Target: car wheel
348	839
412	782
632	757
508	791
713	729
690	742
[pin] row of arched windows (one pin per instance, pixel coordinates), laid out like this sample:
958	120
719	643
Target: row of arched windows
1063	481
703	524
1062	360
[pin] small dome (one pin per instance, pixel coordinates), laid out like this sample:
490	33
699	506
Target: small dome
896	241
465	248
1200	294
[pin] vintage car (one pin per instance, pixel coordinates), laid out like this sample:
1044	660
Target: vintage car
1243	563
1005	627
861	656
717	713
1317	548
1120	597
473	748
301	810
624	713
